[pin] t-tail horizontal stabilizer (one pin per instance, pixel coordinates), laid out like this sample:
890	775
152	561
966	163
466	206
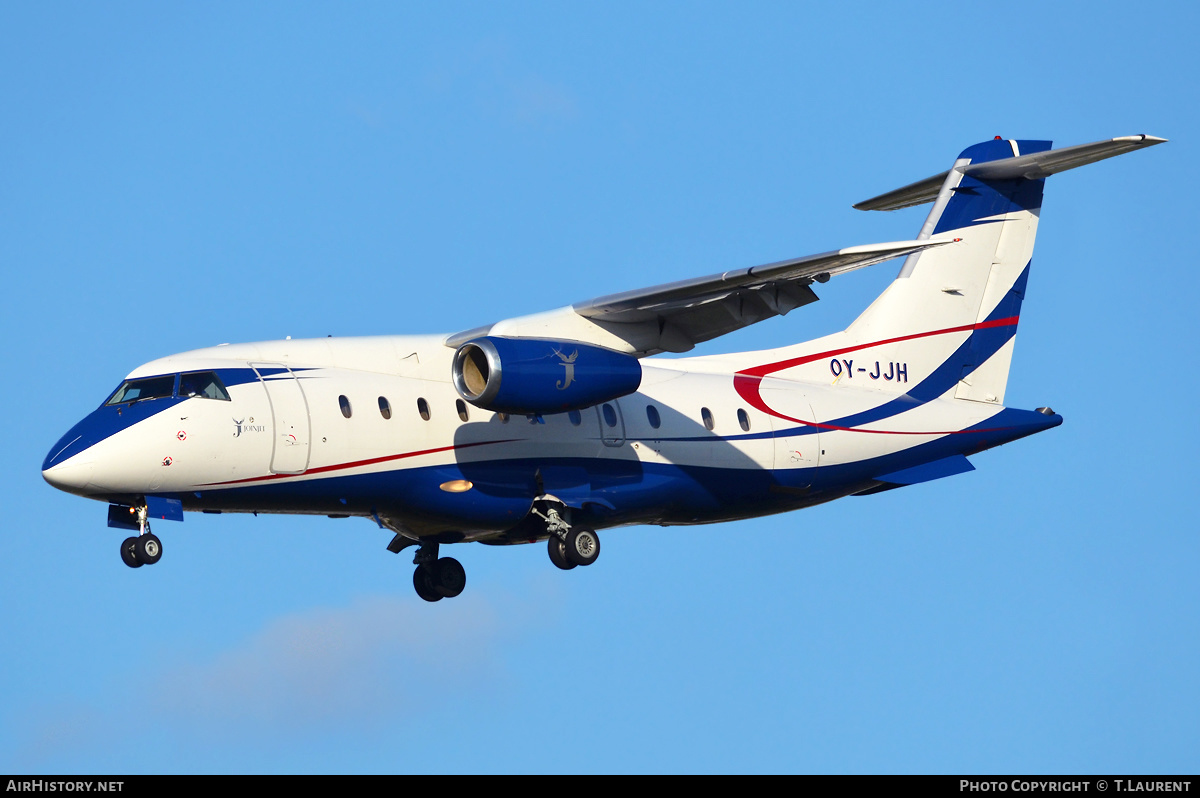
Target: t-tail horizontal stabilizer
1031	167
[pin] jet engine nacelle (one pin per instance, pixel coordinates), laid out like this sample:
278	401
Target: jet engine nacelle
535	375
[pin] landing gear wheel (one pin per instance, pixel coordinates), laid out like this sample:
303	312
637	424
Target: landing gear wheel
147	549
558	554
423	584
449	577
127	553
582	546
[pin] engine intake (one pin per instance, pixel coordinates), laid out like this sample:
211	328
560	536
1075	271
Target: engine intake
536	375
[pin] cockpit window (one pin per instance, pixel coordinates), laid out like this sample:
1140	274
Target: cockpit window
147	388
202	384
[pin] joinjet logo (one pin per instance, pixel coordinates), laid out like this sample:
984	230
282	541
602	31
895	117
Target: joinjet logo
567	363
242	426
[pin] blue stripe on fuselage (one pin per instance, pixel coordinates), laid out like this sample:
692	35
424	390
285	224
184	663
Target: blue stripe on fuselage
619	490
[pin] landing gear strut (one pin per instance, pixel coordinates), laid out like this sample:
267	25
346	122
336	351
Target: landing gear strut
437	578
145	549
569	546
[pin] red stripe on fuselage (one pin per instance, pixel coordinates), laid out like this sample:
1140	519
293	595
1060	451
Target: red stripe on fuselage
748	382
355	464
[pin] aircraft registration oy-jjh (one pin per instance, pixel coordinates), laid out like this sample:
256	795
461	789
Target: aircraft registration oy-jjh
552	426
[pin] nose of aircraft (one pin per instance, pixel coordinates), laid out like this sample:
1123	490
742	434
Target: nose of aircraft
84	455
68	466
71	476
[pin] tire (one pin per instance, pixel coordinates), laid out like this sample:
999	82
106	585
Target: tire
583	546
450	577
558	554
147	549
421	583
127	555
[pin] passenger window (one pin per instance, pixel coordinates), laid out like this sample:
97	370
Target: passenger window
610	415
385	407
744	419
202	384
423	408
462	409
148	388
653	417
707	415
576	418
344	403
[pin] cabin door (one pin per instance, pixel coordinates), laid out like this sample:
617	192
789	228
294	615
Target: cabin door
289	411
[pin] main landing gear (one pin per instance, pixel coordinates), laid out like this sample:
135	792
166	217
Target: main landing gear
437	578
145	549
569	546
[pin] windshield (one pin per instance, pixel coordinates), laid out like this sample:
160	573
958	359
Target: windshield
202	384
147	388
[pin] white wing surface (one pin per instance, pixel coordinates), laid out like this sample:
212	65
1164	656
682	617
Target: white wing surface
674	317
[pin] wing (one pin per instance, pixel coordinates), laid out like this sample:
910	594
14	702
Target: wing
676	316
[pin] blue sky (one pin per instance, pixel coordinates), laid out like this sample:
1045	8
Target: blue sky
173	177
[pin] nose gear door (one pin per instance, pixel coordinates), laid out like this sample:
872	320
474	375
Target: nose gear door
289	411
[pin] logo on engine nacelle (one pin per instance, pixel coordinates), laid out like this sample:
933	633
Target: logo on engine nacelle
568	363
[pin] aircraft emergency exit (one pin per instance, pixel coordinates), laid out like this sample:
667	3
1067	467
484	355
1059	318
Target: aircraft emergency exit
552	426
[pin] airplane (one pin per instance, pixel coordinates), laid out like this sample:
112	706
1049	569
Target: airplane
552	426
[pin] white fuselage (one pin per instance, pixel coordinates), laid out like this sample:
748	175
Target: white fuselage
375	427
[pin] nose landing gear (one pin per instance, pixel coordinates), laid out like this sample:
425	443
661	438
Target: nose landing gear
129	553
145	549
148	549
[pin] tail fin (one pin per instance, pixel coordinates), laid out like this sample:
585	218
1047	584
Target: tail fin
954	309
